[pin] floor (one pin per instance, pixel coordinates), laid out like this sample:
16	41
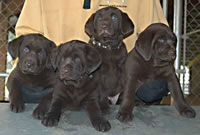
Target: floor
148	120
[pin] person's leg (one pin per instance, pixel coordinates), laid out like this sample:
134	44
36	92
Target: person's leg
152	91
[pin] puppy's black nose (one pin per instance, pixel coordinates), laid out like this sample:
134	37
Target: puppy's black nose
104	26
64	73
28	63
105	22
66	70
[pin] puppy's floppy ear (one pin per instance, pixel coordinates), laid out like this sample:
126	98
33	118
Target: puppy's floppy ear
13	47
52	45
127	26
89	26
144	44
54	57
93	59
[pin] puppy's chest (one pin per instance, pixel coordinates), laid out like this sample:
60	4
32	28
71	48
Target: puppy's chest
43	80
77	95
111	62
112	70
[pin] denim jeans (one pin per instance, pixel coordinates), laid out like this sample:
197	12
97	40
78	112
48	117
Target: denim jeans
153	90
34	95
149	92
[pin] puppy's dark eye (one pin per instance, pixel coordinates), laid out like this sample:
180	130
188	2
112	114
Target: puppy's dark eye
99	17
41	53
26	50
78	60
114	17
172	42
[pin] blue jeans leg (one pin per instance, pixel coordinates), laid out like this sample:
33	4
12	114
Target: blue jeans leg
153	90
34	95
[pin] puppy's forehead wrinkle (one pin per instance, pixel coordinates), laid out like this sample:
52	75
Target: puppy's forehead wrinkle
72	53
108	11
72	47
161	32
35	43
166	35
35	47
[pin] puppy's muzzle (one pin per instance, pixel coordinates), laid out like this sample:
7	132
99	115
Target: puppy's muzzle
28	65
64	74
105	29
172	54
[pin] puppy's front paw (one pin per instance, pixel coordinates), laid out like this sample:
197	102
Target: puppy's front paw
101	124
50	120
17	106
124	117
40	112
188	112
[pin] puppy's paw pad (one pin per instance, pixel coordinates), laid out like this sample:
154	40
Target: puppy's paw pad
101	125
17	107
188	112
124	117
49	121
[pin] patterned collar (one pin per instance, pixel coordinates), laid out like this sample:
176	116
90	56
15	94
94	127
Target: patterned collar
107	46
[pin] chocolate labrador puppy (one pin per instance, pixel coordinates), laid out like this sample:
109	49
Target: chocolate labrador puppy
107	28
33	70
153	59
77	85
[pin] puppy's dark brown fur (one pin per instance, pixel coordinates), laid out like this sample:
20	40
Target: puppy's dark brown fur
33	69
77	83
153	59
107	29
